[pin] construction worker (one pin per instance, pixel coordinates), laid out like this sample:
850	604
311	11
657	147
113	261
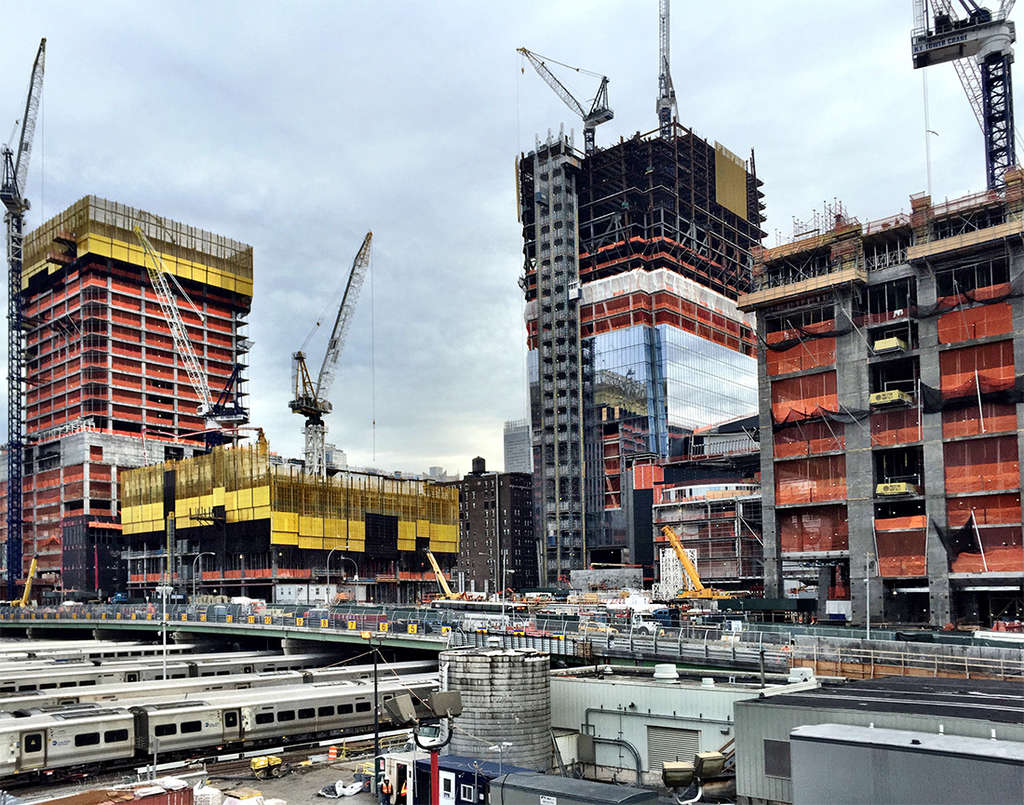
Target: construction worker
401	794
385	791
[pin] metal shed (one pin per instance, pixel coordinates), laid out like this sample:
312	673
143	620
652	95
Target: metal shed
546	789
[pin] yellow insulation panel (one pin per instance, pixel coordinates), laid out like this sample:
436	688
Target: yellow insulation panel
406	535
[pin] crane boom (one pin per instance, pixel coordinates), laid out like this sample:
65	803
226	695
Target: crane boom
666	92
346	312
699	590
599	111
442	582
13	178
158	278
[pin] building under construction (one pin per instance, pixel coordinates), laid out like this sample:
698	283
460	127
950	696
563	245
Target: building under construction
106	389
242	525
634	257
891	410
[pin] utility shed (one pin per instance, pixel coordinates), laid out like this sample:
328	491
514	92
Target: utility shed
845	765
972	708
547	789
636	721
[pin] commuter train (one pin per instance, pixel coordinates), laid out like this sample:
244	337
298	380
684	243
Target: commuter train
152	669
66	738
159	689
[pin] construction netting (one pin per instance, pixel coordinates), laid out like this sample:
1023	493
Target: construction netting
975	322
810	480
986	509
988	367
897	426
804	397
973	548
823	528
991	417
808	439
901	545
980	465
805	355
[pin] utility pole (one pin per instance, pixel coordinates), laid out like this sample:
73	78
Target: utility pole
867	593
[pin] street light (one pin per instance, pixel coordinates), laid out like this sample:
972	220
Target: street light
500	749
368	637
194	562
343	559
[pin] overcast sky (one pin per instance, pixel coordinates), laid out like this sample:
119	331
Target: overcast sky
298	126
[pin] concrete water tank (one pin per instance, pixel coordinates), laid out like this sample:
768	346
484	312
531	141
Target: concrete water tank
506	699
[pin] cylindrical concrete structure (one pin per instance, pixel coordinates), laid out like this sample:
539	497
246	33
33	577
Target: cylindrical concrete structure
506	702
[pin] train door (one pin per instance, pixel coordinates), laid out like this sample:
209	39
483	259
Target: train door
232	725
447	786
33	750
131	676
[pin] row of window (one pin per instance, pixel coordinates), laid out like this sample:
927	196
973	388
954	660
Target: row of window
93	738
308	712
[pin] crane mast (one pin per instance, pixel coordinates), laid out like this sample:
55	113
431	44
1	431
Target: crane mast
312	398
599	111
12	188
666	92
980	46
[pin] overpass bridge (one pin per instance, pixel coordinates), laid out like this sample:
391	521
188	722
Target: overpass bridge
430	632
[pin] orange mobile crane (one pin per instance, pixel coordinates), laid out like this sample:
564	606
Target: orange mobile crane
690	569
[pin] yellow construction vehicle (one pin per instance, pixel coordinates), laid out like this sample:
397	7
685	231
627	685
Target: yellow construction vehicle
27	592
442	582
690	569
265	766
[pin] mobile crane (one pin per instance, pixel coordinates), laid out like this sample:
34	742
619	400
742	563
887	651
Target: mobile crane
690	569
27	592
442	582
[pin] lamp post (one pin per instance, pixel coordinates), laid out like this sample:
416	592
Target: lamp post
194	563
500	749
867	594
368	637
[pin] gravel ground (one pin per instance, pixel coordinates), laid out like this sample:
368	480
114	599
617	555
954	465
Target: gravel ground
301	787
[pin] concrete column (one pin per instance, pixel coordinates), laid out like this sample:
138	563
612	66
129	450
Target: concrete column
852	388
773	587
939	603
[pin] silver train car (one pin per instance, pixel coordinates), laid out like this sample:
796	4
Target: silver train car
84	650
68	738
138	693
152	669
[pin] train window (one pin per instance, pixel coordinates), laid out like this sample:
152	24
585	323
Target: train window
165	729
85	682
33	742
231	719
87	739
362	707
67	684
177	676
307	712
115	736
344	709
191	726
264	718
27	687
47	685
286	715
223	673
327	710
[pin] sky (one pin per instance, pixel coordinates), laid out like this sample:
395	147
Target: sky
296	127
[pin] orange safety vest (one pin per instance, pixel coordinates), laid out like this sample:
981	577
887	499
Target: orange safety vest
402	792
385	787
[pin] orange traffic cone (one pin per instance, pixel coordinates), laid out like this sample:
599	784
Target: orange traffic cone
332	754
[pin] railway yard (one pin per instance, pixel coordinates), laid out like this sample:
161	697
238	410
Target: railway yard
87	713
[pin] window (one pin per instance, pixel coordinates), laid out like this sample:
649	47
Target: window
344	709
191	726
161	730
67	684
27	687
323	712
115	736
264	718
231	719
468	793
286	715
448	786
87	739
34	742
47	685
307	712
362	707
776	758
85	682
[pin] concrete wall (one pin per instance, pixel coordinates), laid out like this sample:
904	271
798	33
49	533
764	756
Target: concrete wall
611	578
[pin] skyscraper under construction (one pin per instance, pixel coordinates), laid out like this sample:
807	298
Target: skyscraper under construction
634	256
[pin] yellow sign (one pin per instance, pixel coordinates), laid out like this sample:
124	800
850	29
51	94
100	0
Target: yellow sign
202	616
382	626
300	621
446	629
117	616
252	619
350	625
230	618
412	628
324	623
184	616
558	636
103	616
149	616
134	616
267	620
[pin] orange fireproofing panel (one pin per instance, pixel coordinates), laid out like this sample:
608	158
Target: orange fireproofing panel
987	365
975	322
810	438
895	427
988	509
901	553
1003	553
981	465
820	529
804	396
808	354
810	480
996	417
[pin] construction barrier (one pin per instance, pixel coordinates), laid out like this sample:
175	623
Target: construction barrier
810	480
982	465
809	438
803	396
823	528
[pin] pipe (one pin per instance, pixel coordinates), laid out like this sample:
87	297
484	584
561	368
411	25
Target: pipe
632	750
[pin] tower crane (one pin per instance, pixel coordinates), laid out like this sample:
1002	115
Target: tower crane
12	189
312	399
980	46
599	110
666	106
225	411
